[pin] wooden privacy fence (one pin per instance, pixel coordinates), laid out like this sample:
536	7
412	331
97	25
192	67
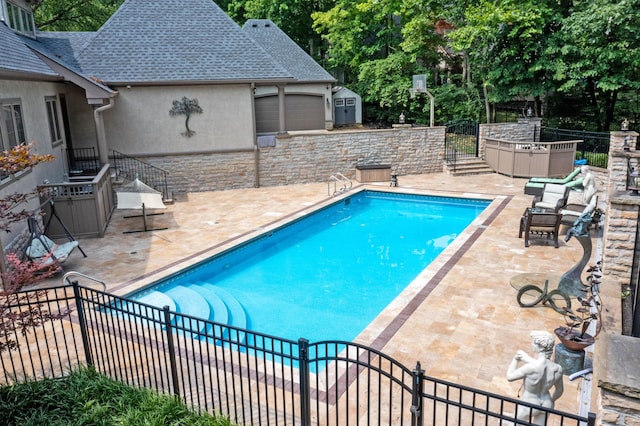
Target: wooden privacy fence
531	159
253	378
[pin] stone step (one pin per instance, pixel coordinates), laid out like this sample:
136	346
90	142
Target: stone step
466	167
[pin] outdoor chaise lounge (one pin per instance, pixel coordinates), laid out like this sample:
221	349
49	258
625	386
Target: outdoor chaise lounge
554	197
535	185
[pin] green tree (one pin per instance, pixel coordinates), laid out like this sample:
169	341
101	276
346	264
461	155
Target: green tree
74	15
598	55
291	16
505	42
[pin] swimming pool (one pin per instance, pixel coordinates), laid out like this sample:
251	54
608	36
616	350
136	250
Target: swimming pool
326	275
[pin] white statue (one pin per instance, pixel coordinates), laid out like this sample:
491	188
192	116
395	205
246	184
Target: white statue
539	375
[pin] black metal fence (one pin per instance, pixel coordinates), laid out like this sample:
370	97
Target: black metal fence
461	140
82	162
251	377
594	147
131	168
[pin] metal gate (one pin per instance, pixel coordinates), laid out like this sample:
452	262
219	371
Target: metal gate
461	140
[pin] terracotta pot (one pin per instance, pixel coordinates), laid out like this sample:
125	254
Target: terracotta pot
573	342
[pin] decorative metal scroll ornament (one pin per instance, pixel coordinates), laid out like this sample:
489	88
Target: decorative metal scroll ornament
186	107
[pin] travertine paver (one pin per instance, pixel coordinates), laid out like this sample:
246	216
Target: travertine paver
465	331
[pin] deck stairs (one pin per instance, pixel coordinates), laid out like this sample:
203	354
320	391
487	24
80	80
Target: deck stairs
468	166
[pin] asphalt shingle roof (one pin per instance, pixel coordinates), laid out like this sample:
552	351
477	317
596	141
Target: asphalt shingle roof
16	56
169	40
285	51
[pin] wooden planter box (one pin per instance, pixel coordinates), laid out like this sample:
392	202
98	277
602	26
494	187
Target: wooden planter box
373	173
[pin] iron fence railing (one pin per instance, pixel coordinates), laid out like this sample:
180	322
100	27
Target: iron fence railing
82	161
131	168
594	147
253	378
461	141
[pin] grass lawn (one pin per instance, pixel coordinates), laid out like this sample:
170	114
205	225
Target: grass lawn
88	398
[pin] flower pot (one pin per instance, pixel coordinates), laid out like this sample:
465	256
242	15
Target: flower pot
571	339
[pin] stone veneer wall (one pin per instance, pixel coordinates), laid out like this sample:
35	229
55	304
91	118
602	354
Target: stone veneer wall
617	355
306	157
314	158
525	130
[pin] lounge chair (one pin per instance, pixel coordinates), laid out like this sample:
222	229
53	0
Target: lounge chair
571	176
535	186
554	197
46	252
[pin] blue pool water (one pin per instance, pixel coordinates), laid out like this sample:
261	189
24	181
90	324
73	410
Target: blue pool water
325	276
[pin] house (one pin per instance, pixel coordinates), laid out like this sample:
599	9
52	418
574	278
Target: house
174	83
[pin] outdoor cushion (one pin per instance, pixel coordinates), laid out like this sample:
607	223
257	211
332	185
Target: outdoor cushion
554	197
44	249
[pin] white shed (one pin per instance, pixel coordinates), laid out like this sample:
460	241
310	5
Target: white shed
347	107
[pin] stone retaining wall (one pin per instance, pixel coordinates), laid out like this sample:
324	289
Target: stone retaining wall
617	356
305	158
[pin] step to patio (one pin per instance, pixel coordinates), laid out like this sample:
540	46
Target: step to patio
467	167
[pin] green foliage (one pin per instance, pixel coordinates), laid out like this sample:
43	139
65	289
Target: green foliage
85	397
291	16
74	15
598	55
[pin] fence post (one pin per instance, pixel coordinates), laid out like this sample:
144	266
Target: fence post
416	396
305	394
83	323
172	350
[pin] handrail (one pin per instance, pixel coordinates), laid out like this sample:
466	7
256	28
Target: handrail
70	273
338	178
133	168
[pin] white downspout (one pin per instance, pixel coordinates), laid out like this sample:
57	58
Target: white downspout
100	133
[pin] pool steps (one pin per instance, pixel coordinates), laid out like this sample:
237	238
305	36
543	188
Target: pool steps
200	300
189	302
237	317
154	298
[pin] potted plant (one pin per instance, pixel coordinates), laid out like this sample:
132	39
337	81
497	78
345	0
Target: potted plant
577	334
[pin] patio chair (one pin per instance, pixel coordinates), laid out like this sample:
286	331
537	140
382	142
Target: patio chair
538	225
554	197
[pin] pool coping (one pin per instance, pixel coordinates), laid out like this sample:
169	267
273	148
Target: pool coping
378	332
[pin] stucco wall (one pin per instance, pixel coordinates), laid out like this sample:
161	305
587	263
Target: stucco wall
222	125
81	120
307	157
32	100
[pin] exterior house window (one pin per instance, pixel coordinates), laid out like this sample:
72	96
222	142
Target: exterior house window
11	125
18	18
54	122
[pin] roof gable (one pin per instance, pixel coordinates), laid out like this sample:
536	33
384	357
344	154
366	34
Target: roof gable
165	40
285	51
